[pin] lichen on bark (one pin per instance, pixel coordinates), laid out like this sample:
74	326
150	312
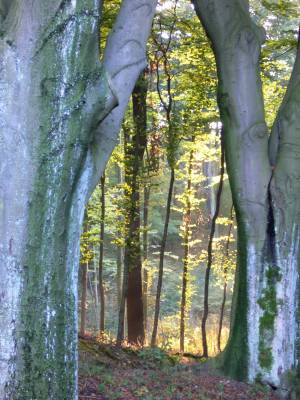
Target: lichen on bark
268	303
72	95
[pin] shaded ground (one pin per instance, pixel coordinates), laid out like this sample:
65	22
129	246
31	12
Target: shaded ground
109	373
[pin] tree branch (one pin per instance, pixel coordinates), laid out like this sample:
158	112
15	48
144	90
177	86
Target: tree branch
287	114
124	59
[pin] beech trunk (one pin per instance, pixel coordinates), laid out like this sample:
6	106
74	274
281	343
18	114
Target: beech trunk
55	101
265	182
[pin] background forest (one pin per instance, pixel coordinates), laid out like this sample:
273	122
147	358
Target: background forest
159	231
149	196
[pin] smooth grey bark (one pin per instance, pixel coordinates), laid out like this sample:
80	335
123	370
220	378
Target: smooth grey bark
53	95
263	341
128	39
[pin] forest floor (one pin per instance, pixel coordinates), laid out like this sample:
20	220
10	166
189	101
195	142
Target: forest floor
107	372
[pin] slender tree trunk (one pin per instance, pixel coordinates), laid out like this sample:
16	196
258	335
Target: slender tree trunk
162	56
222	316
101	254
52	154
210	250
225	282
186	245
119	274
145	253
263	340
84	272
161	258
121	320
84	282
120	249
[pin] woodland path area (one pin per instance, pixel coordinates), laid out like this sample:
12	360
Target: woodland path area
111	373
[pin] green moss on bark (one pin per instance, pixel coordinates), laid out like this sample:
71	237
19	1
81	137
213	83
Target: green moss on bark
67	79
268	303
234	359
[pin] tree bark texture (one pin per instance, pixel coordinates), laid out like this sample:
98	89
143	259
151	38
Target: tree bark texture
53	95
135	148
263	342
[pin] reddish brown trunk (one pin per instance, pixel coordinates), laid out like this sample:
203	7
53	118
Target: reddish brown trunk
135	145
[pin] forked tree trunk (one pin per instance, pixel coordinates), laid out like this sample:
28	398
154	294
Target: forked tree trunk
53	95
264	341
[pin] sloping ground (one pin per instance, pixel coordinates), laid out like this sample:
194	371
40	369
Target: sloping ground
110	373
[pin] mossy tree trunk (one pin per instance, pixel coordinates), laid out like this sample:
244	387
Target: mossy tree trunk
263	341
54	100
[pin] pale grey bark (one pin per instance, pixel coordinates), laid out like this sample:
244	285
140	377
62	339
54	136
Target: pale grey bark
284	193
53	95
263	341
128	41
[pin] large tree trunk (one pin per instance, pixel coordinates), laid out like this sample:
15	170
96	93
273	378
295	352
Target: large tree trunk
135	147
53	94
265	317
